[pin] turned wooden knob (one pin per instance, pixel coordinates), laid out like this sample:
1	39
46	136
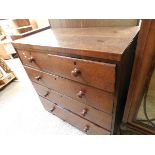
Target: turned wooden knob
80	94
76	72
38	77
31	59
84	112
47	93
52	109
86	128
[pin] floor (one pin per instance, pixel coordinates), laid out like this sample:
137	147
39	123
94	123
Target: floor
21	111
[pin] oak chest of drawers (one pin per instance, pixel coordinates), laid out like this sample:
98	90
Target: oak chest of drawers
81	74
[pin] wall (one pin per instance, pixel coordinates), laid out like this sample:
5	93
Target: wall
81	23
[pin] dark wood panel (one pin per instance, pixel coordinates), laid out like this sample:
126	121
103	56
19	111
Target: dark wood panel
100	75
100	118
122	85
142	69
85	94
75	120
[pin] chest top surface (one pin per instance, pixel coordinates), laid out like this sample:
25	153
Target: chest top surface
97	42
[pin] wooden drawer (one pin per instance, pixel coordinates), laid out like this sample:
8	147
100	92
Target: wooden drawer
96	74
24	57
74	120
90	96
100	118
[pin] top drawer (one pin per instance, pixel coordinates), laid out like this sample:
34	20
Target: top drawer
96	74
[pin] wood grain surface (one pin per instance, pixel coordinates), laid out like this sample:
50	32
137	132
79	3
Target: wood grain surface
93	97
107	42
96	74
100	118
85	23
75	120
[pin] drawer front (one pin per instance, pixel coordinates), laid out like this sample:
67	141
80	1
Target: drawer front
100	118
85	94
24	57
74	120
96	74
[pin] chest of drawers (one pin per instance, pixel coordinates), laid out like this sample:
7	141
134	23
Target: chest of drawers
81	74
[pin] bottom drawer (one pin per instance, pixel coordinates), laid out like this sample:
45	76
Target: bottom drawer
97	117
73	119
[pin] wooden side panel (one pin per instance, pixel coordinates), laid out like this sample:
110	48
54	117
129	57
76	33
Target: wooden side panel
144	60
